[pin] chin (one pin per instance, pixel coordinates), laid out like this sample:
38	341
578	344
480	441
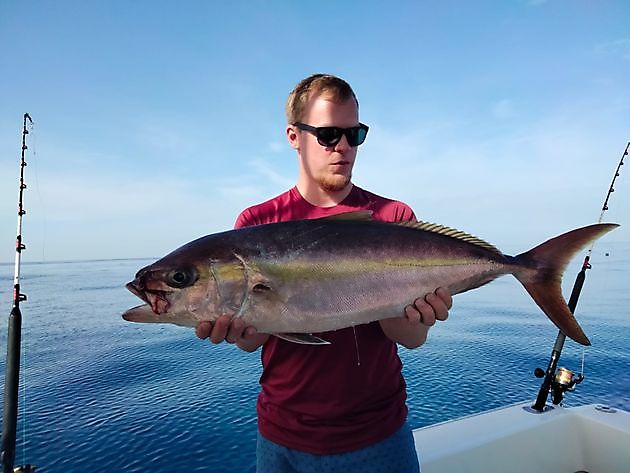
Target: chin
334	183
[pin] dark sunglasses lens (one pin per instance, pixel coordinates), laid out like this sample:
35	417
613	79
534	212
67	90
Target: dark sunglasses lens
329	135
356	135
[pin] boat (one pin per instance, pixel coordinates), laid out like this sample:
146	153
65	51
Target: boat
534	436
591	438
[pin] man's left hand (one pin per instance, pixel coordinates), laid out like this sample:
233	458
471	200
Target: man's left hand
421	314
430	308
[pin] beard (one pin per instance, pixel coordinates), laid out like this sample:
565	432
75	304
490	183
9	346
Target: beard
335	182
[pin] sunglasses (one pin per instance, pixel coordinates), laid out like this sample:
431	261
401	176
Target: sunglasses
329	136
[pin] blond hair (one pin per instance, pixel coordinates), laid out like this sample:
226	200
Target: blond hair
334	88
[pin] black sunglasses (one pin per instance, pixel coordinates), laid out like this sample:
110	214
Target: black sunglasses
329	136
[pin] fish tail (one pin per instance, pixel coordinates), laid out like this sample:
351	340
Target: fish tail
541	271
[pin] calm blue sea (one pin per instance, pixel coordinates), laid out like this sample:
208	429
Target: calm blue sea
103	395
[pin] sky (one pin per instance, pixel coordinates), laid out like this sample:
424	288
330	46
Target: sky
158	122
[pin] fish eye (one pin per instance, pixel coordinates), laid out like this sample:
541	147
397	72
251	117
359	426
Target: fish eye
183	277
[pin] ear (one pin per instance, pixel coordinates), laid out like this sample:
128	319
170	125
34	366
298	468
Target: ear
293	137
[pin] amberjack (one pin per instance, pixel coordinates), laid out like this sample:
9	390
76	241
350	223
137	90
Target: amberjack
302	277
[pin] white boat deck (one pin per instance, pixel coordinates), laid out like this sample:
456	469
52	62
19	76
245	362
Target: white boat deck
515	439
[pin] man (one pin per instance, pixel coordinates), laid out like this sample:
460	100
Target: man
340	406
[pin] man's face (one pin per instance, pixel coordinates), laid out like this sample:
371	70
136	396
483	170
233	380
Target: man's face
328	167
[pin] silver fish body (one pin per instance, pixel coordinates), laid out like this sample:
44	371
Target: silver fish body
312	276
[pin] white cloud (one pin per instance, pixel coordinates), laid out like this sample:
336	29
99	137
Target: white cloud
542	178
268	171
118	215
525	184
277	146
619	48
88	211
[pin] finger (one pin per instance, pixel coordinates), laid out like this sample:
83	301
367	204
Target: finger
249	332
427	313
413	315
445	296
251	335
203	329
235	331
438	305
220	329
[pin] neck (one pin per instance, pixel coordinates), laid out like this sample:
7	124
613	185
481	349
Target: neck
319	197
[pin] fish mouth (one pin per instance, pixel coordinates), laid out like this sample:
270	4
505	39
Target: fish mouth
156	299
140	313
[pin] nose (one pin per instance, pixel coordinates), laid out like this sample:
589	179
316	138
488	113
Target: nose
343	145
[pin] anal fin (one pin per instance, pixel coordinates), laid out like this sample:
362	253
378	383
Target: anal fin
302	338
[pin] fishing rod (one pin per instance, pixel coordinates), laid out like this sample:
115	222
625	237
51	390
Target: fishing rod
559	380
12	369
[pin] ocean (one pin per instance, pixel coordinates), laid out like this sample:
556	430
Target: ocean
100	394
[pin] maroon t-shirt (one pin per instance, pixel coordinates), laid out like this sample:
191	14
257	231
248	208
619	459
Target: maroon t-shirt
330	398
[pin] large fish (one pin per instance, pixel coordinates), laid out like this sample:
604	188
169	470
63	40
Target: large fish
301	277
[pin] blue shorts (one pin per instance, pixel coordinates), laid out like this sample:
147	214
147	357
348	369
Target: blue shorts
396	454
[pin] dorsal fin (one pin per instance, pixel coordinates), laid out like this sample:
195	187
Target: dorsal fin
357	215
451	232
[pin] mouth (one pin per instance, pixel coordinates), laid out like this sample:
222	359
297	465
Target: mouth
157	299
341	166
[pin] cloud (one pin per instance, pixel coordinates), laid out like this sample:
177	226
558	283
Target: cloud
89	208
266	170
527	184
277	146
107	215
619	48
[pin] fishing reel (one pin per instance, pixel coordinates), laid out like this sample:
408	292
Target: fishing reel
562	381
24	469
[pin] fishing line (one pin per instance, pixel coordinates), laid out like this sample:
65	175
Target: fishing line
611	189
589	253
356	345
24	401
25	354
30	127
35	162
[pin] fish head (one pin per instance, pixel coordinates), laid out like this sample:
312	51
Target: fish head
174	291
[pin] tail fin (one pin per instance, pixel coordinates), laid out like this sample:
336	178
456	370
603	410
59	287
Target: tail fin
541	274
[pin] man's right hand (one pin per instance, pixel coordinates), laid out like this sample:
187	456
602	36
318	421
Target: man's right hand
231	331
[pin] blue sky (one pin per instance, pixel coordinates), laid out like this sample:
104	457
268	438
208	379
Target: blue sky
157	122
